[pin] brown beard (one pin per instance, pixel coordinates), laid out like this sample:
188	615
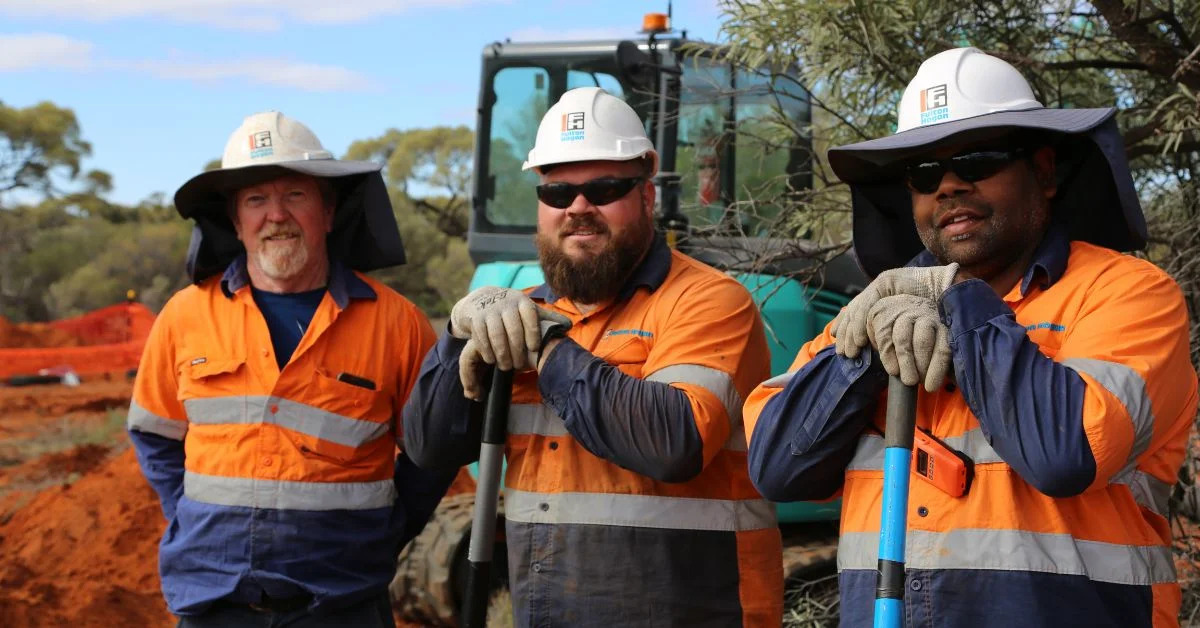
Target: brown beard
600	277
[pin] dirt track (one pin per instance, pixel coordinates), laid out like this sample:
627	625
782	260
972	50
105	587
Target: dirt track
79	525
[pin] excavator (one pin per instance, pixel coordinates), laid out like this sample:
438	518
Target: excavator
703	115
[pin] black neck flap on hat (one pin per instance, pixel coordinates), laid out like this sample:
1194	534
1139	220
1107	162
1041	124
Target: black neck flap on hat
365	235
1096	200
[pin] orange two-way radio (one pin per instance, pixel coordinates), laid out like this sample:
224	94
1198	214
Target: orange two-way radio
941	465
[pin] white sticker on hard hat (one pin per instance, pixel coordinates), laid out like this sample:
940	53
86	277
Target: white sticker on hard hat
934	104
260	145
572	127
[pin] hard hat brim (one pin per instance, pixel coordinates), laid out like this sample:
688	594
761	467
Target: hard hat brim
871	161
365	235
1096	198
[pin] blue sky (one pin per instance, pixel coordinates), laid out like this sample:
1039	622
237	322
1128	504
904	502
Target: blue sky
158	85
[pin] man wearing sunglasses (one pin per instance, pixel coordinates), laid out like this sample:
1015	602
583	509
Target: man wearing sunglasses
1053	366
627	499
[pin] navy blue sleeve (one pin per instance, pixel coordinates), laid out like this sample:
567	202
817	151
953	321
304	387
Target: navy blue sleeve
161	459
807	433
442	428
1029	407
419	492
646	427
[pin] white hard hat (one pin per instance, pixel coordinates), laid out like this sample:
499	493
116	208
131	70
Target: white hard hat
962	83
588	124
269	137
265	143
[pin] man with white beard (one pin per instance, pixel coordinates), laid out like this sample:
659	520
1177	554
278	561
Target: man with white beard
265	403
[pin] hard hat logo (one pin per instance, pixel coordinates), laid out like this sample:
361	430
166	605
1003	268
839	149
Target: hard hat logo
934	104
260	145
572	127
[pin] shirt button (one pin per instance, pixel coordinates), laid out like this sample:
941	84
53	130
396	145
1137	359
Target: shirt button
915	585
553	444
537	567
266	461
544	506
274	408
857	362
266	353
923	511
950	387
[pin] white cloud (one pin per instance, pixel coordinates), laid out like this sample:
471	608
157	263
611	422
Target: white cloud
49	51
241	14
537	33
279	72
43	50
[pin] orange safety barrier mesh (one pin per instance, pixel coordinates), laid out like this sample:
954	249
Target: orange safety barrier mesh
107	340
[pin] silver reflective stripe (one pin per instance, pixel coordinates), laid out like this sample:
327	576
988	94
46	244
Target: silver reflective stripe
285	495
643	511
868	456
142	420
1128	387
718	383
298	417
535	418
1017	550
1148	491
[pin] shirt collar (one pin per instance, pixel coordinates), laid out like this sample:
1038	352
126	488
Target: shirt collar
344	284
1049	260
651	273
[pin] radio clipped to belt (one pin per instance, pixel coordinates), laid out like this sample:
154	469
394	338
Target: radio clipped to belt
941	465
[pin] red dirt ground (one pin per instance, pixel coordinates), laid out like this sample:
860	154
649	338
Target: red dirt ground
81	554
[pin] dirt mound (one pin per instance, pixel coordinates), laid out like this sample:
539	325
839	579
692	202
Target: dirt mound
85	554
34	335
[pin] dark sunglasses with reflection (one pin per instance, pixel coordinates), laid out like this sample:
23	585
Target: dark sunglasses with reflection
925	176
598	192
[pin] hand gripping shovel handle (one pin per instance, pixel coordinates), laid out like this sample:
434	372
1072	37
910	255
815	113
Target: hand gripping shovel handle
487	494
897	458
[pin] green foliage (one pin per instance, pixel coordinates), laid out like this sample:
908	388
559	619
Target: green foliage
429	175
37	143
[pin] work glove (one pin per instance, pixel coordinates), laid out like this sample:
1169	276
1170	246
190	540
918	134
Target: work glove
473	367
911	340
504	323
850	328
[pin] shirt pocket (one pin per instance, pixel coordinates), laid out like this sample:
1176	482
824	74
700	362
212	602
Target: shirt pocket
337	418
628	354
209	386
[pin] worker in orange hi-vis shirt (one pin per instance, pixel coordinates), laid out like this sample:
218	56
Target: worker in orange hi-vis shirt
1055	389
265	411
627	501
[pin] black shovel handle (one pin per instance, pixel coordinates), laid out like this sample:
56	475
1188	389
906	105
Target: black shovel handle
487	495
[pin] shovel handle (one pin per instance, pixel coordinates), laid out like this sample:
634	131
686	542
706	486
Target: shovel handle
487	494
897	461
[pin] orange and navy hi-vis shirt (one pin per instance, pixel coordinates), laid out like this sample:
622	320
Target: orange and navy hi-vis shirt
1073	395
627	500
281	482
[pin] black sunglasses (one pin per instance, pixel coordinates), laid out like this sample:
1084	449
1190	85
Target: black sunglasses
926	176
598	192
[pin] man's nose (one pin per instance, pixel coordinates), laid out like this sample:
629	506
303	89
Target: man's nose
581	206
276	211
951	185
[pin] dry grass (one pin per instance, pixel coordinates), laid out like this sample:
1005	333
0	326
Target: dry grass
811	604
500	611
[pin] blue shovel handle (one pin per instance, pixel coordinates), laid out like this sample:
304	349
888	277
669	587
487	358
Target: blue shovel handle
897	458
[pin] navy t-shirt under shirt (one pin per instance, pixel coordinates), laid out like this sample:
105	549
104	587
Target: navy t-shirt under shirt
288	316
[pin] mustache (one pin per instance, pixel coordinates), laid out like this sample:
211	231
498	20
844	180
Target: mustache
281	230
583	223
954	204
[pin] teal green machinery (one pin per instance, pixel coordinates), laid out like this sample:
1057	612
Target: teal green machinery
704	116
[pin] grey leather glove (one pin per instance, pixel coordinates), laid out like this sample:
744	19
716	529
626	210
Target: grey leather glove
504	323
473	368
850	329
911	339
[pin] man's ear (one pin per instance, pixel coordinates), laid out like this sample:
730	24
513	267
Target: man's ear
649	193
1044	171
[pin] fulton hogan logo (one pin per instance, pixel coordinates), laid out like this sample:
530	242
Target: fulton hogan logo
934	104
572	126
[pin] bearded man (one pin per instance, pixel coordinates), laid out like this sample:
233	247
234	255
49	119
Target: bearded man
264	411
627	498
